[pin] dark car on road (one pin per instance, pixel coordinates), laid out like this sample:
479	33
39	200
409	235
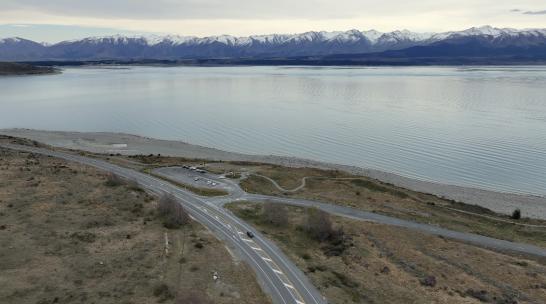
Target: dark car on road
250	234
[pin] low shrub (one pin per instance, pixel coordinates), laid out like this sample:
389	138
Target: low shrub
193	298
480	295
113	180
345	280
429	281
133	185
173	213
516	215
275	214
376	187
163	292
319	227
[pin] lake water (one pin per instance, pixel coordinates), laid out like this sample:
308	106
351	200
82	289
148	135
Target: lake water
483	127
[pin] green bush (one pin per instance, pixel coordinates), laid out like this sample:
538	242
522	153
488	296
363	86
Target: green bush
163	292
173	213
113	180
516	215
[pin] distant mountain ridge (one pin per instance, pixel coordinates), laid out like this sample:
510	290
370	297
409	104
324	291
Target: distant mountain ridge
264	46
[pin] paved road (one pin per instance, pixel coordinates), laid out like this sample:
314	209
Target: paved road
237	194
356	214
193	178
276	273
304	180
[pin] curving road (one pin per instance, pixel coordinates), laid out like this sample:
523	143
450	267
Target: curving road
276	273
237	194
304	181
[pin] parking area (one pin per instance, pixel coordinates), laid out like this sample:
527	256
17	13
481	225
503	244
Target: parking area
193	176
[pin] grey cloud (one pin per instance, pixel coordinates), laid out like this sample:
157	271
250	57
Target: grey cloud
535	12
227	9
192	9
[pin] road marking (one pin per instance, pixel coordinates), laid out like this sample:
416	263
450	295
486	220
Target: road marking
276	271
256	248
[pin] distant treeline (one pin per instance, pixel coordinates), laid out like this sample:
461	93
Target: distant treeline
12	68
313	61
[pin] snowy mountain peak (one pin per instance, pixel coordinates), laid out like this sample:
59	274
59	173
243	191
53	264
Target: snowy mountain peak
282	45
406	35
372	36
486	30
11	40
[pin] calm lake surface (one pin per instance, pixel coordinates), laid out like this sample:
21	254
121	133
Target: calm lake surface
479	127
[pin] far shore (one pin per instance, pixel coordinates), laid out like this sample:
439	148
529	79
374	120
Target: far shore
19	69
126	144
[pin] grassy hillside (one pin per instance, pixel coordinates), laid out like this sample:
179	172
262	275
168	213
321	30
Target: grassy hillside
364	262
71	234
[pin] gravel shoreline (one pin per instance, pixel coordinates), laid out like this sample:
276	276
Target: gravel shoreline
99	142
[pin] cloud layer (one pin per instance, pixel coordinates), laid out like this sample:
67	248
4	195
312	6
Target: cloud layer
535	12
246	17
193	9
250	9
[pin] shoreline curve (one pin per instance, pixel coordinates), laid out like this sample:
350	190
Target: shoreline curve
107	142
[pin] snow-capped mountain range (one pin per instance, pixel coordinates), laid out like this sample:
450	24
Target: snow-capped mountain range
258	46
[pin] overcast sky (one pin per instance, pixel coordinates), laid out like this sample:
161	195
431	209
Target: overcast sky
55	20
